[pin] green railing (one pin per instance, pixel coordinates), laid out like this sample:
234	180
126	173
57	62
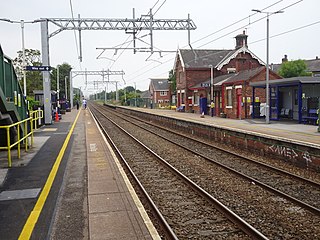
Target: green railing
22	136
12	98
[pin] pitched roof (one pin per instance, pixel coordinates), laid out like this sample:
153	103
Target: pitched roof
313	65
217	81
293	80
230	78
245	74
145	94
201	58
159	84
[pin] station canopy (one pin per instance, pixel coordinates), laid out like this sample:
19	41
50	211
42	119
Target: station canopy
287	81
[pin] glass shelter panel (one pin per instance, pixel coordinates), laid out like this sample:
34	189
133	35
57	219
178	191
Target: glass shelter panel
274	113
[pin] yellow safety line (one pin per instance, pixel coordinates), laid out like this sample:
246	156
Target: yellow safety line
34	215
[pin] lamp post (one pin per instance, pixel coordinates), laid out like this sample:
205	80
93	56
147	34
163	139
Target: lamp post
135	94
211	88
58	87
22	22
23	60
267	64
65	84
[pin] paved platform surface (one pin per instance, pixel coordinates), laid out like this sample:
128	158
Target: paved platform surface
91	198
283	129
115	211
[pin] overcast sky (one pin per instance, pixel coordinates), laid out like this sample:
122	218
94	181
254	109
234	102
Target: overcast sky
209	16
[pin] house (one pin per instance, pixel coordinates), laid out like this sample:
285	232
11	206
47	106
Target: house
160	94
196	66
313	65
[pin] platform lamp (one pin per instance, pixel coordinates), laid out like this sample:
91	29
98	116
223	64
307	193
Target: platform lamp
22	23
211	86
65	84
267	64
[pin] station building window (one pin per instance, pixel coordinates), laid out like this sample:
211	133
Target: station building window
163	93
229	97
182	98
196	99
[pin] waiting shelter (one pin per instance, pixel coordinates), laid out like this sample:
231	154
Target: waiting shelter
296	98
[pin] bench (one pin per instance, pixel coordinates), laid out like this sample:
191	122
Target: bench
180	108
285	112
312	117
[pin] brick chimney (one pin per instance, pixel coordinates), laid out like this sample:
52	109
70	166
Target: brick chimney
285	59
241	40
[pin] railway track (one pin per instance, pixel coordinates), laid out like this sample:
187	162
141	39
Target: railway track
181	202
270	213
292	187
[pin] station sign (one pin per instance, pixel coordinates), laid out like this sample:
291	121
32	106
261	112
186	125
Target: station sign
205	84
38	68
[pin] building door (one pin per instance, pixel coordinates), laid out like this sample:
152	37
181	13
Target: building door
239	102
217	103
203	105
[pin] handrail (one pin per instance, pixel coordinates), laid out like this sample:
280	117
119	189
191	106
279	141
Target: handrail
34	116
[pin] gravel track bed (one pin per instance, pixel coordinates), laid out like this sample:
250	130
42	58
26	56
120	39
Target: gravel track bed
270	214
189	215
283	182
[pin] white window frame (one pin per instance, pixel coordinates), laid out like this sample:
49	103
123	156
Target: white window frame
229	97
163	93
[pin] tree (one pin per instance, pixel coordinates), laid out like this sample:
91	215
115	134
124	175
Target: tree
64	73
34	79
293	69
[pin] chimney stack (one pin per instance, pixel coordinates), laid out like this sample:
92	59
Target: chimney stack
241	40
285	59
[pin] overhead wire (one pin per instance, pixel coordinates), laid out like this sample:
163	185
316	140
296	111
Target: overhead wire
210	35
136	33
144	35
236	22
242	27
159	7
75	35
231	31
289	31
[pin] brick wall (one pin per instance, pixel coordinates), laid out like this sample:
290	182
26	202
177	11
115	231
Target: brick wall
247	91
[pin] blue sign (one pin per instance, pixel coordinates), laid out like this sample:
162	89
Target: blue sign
205	84
38	68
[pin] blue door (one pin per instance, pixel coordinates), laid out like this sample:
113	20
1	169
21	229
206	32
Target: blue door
203	105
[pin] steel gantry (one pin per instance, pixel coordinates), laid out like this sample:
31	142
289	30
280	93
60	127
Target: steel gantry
127	25
130	26
105	74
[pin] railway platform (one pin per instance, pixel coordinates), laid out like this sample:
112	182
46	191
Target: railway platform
69	185
283	129
284	140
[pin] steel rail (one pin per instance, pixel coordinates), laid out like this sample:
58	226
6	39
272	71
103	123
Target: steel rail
257	182
308	181
166	227
242	224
